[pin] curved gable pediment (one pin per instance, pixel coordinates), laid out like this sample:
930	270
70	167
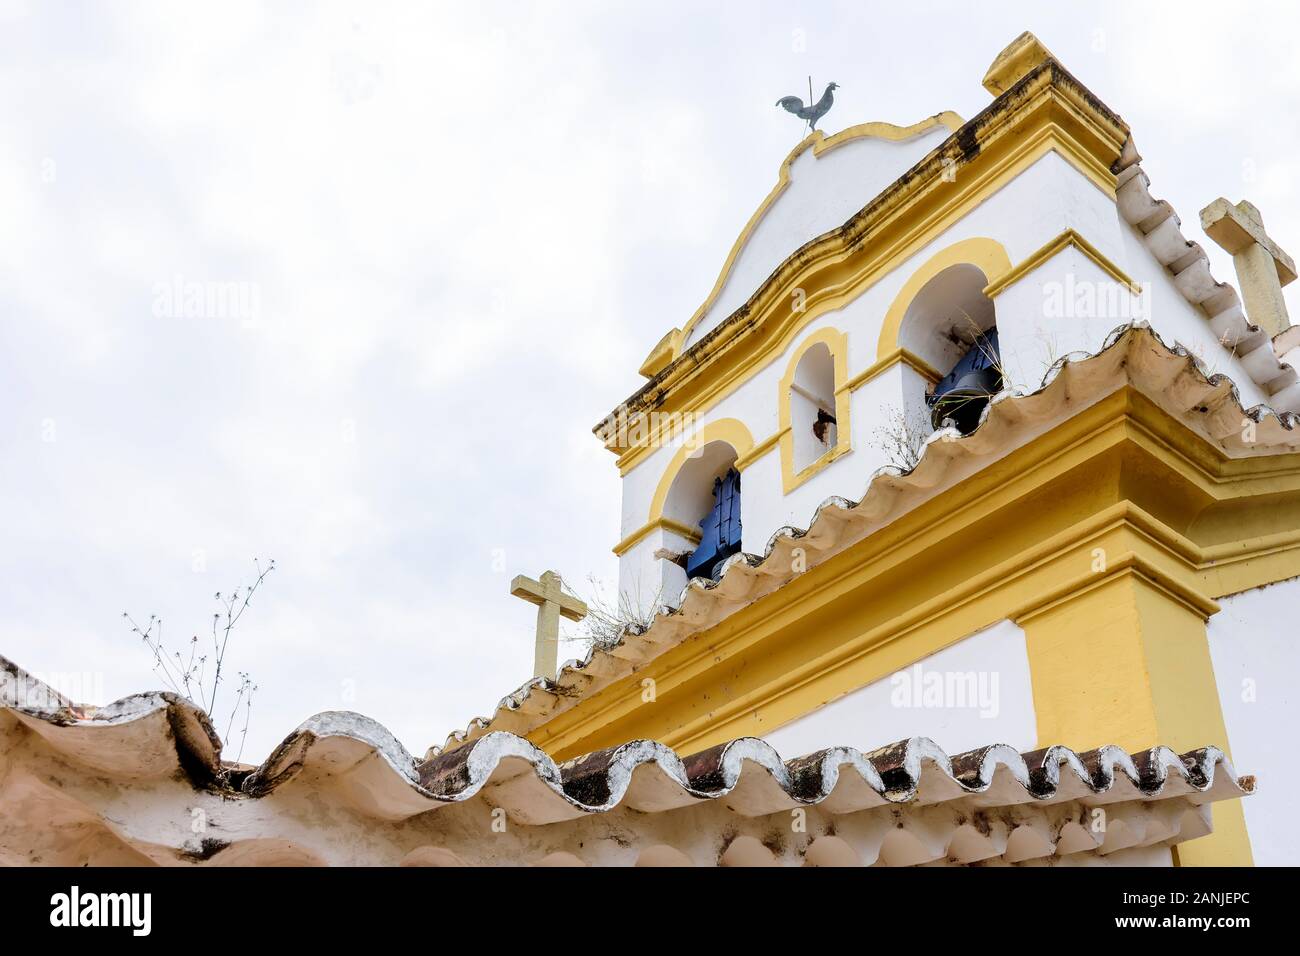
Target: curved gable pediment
822	184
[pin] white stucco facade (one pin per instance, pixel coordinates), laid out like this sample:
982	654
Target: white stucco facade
1256	660
968	695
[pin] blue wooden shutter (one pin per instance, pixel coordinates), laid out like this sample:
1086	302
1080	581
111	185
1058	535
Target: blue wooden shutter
720	529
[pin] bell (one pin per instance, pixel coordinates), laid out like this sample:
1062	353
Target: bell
963	403
981	381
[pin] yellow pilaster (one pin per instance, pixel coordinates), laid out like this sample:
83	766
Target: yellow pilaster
1125	660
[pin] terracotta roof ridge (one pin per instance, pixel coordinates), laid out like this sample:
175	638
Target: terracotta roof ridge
538	790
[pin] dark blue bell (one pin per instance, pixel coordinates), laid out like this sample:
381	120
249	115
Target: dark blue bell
961	395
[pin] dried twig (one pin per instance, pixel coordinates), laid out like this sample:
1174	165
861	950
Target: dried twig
232	618
901	437
189	676
608	620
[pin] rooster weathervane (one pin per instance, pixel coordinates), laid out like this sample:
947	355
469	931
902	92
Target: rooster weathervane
813	111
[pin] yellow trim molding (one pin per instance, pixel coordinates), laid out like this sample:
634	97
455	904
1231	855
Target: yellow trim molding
665	524
1048	112
837	343
662	354
987	255
1064	241
759	450
819	143
1020	56
888	361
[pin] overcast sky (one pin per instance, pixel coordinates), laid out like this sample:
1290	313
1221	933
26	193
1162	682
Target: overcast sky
459	229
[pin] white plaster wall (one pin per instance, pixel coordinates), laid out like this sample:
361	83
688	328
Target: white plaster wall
1034	208
760	514
646	581
1007	216
823	193
847	477
880	713
1032	339
1256	664
751	404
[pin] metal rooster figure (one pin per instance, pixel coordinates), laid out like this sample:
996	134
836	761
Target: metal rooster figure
813	111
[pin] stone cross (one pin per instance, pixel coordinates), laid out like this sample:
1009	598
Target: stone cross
1262	268
551	602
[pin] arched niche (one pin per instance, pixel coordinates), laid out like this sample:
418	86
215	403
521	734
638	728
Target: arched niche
694	535
706	496
814	407
952	325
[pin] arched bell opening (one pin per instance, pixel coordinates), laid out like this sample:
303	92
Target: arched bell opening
952	325
705	494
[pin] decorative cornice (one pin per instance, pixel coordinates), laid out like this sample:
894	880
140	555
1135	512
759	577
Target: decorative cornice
899	356
1067	239
666	524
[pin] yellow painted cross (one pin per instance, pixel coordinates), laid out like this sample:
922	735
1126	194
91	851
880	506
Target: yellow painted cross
551	602
1262	268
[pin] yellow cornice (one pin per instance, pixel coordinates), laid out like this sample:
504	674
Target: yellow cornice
1123	476
665	350
1019	57
666	524
1067	239
1047	111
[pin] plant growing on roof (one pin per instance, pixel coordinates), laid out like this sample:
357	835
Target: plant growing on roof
901	437
608	620
198	676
